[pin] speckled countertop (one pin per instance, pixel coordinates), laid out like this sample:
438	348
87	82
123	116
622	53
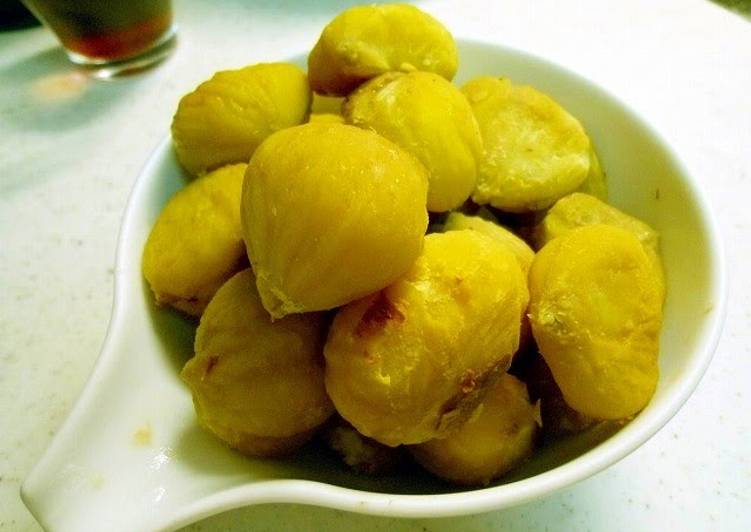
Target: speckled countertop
70	149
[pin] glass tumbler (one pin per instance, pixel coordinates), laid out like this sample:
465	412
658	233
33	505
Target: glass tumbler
110	37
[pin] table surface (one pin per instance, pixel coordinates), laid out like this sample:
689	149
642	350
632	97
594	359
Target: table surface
71	148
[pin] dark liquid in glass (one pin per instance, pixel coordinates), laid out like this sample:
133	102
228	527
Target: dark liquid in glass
106	30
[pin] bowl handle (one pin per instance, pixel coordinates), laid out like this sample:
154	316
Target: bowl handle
114	464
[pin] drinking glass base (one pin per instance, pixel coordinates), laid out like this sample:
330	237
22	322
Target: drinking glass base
106	69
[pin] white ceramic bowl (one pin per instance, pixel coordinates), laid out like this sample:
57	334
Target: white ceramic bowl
131	457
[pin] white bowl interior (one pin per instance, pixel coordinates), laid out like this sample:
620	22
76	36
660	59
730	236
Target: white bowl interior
113	482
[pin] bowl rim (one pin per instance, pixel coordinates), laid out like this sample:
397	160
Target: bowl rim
593	461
